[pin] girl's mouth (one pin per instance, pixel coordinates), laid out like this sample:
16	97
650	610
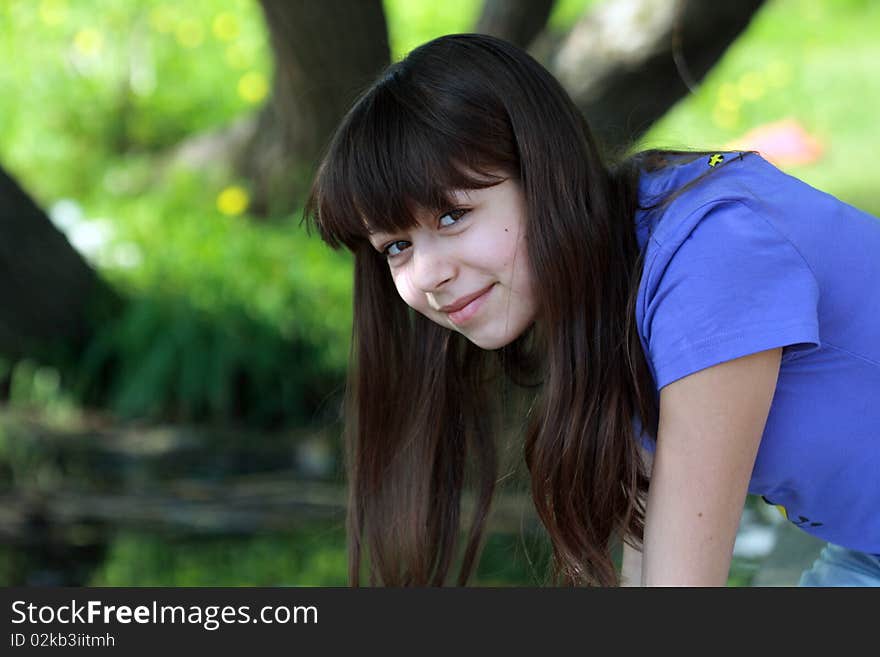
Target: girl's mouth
462	316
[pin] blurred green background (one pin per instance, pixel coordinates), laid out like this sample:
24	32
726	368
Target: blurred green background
233	311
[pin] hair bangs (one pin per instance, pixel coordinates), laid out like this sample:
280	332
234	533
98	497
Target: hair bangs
387	163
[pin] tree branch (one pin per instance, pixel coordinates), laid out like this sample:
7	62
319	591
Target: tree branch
516	21
627	62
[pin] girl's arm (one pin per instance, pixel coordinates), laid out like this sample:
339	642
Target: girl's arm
711	423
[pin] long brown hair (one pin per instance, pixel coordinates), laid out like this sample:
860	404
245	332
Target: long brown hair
418	394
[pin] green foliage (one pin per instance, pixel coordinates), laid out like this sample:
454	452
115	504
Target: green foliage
742	572
37	386
112	77
169	360
222	307
23	465
274	272
314	556
412	23
566	12
227	319
514	560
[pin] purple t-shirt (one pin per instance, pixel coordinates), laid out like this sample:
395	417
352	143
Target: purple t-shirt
751	259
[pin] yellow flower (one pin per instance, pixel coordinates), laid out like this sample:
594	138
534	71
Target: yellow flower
253	87
53	12
88	41
233	200
225	26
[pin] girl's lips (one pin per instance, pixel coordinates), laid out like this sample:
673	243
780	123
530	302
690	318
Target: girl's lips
459	317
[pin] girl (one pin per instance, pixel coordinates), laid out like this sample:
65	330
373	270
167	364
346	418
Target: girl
701	321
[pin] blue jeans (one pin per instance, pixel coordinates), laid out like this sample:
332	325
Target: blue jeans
840	566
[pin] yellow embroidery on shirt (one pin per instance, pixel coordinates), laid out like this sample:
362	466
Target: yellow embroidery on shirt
715	159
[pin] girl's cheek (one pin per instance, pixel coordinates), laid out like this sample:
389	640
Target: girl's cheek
405	289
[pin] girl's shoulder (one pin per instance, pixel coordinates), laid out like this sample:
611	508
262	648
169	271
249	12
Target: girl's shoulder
721	278
688	182
668	187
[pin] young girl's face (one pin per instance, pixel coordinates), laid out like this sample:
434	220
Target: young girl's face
466	267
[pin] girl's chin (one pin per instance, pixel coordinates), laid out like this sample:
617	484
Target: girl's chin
489	343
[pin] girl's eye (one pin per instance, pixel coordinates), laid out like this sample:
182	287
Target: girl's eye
452	214
392	250
388	253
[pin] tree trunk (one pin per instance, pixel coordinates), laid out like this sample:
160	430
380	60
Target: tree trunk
325	54
49	296
628	62
516	21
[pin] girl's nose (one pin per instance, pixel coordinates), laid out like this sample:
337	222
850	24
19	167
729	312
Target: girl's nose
431	269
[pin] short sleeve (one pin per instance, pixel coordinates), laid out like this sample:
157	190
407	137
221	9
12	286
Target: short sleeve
733	286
